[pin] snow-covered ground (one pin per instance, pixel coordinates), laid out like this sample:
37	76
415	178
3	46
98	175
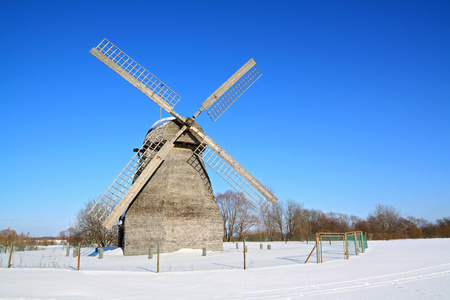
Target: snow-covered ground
402	269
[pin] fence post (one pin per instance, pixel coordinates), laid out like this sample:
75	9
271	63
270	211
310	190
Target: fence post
10	255
356	243
310	253
346	245
285	240
79	254
261	246
68	250
237	245
150	252
269	247
157	258
100	253
318	250
204	252
245	262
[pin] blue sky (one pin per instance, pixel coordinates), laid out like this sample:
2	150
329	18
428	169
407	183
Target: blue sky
352	108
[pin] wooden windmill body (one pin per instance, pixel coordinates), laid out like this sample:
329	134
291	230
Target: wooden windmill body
164	194
176	208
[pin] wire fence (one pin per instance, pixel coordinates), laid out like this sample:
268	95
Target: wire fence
233	256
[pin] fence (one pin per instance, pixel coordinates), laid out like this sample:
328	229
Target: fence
233	256
338	245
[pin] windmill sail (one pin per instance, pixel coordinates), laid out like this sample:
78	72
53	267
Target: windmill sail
113	203
137	75
234	174
117	198
219	101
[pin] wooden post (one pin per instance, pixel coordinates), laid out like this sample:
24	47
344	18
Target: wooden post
245	262
157	258
204	252
318	250
362	241
100	253
285	240
269	247
261	246
79	250
346	246
10	255
310	254
68	250
150	252
237	245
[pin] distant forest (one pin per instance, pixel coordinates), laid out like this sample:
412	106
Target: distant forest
285	220
289	219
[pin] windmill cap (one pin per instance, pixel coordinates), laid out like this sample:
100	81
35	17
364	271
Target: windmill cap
166	128
162	122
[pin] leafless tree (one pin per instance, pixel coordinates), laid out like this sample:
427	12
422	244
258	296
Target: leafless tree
384	222
237	214
90	230
294	219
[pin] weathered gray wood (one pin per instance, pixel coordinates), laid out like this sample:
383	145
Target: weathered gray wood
149	93
186	218
225	86
245	259
176	207
157	257
100	253
141	181
236	166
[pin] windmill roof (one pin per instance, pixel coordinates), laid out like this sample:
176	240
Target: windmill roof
162	122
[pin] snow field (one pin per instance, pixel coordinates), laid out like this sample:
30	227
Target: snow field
401	269
182	260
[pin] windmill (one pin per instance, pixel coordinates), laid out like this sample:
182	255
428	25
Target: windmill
164	193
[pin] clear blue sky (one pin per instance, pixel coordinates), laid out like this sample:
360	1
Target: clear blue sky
353	108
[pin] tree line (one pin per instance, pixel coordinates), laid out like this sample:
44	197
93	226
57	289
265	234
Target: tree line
286	220
291	220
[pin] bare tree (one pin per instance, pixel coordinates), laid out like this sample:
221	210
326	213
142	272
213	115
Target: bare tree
314	220
237	214
90	230
294	219
384	221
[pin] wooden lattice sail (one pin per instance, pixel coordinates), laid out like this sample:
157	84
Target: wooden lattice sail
164	194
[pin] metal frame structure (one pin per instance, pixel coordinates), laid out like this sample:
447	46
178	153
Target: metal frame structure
344	235
114	202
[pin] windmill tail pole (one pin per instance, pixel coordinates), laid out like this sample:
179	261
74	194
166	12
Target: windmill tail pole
10	255
310	254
